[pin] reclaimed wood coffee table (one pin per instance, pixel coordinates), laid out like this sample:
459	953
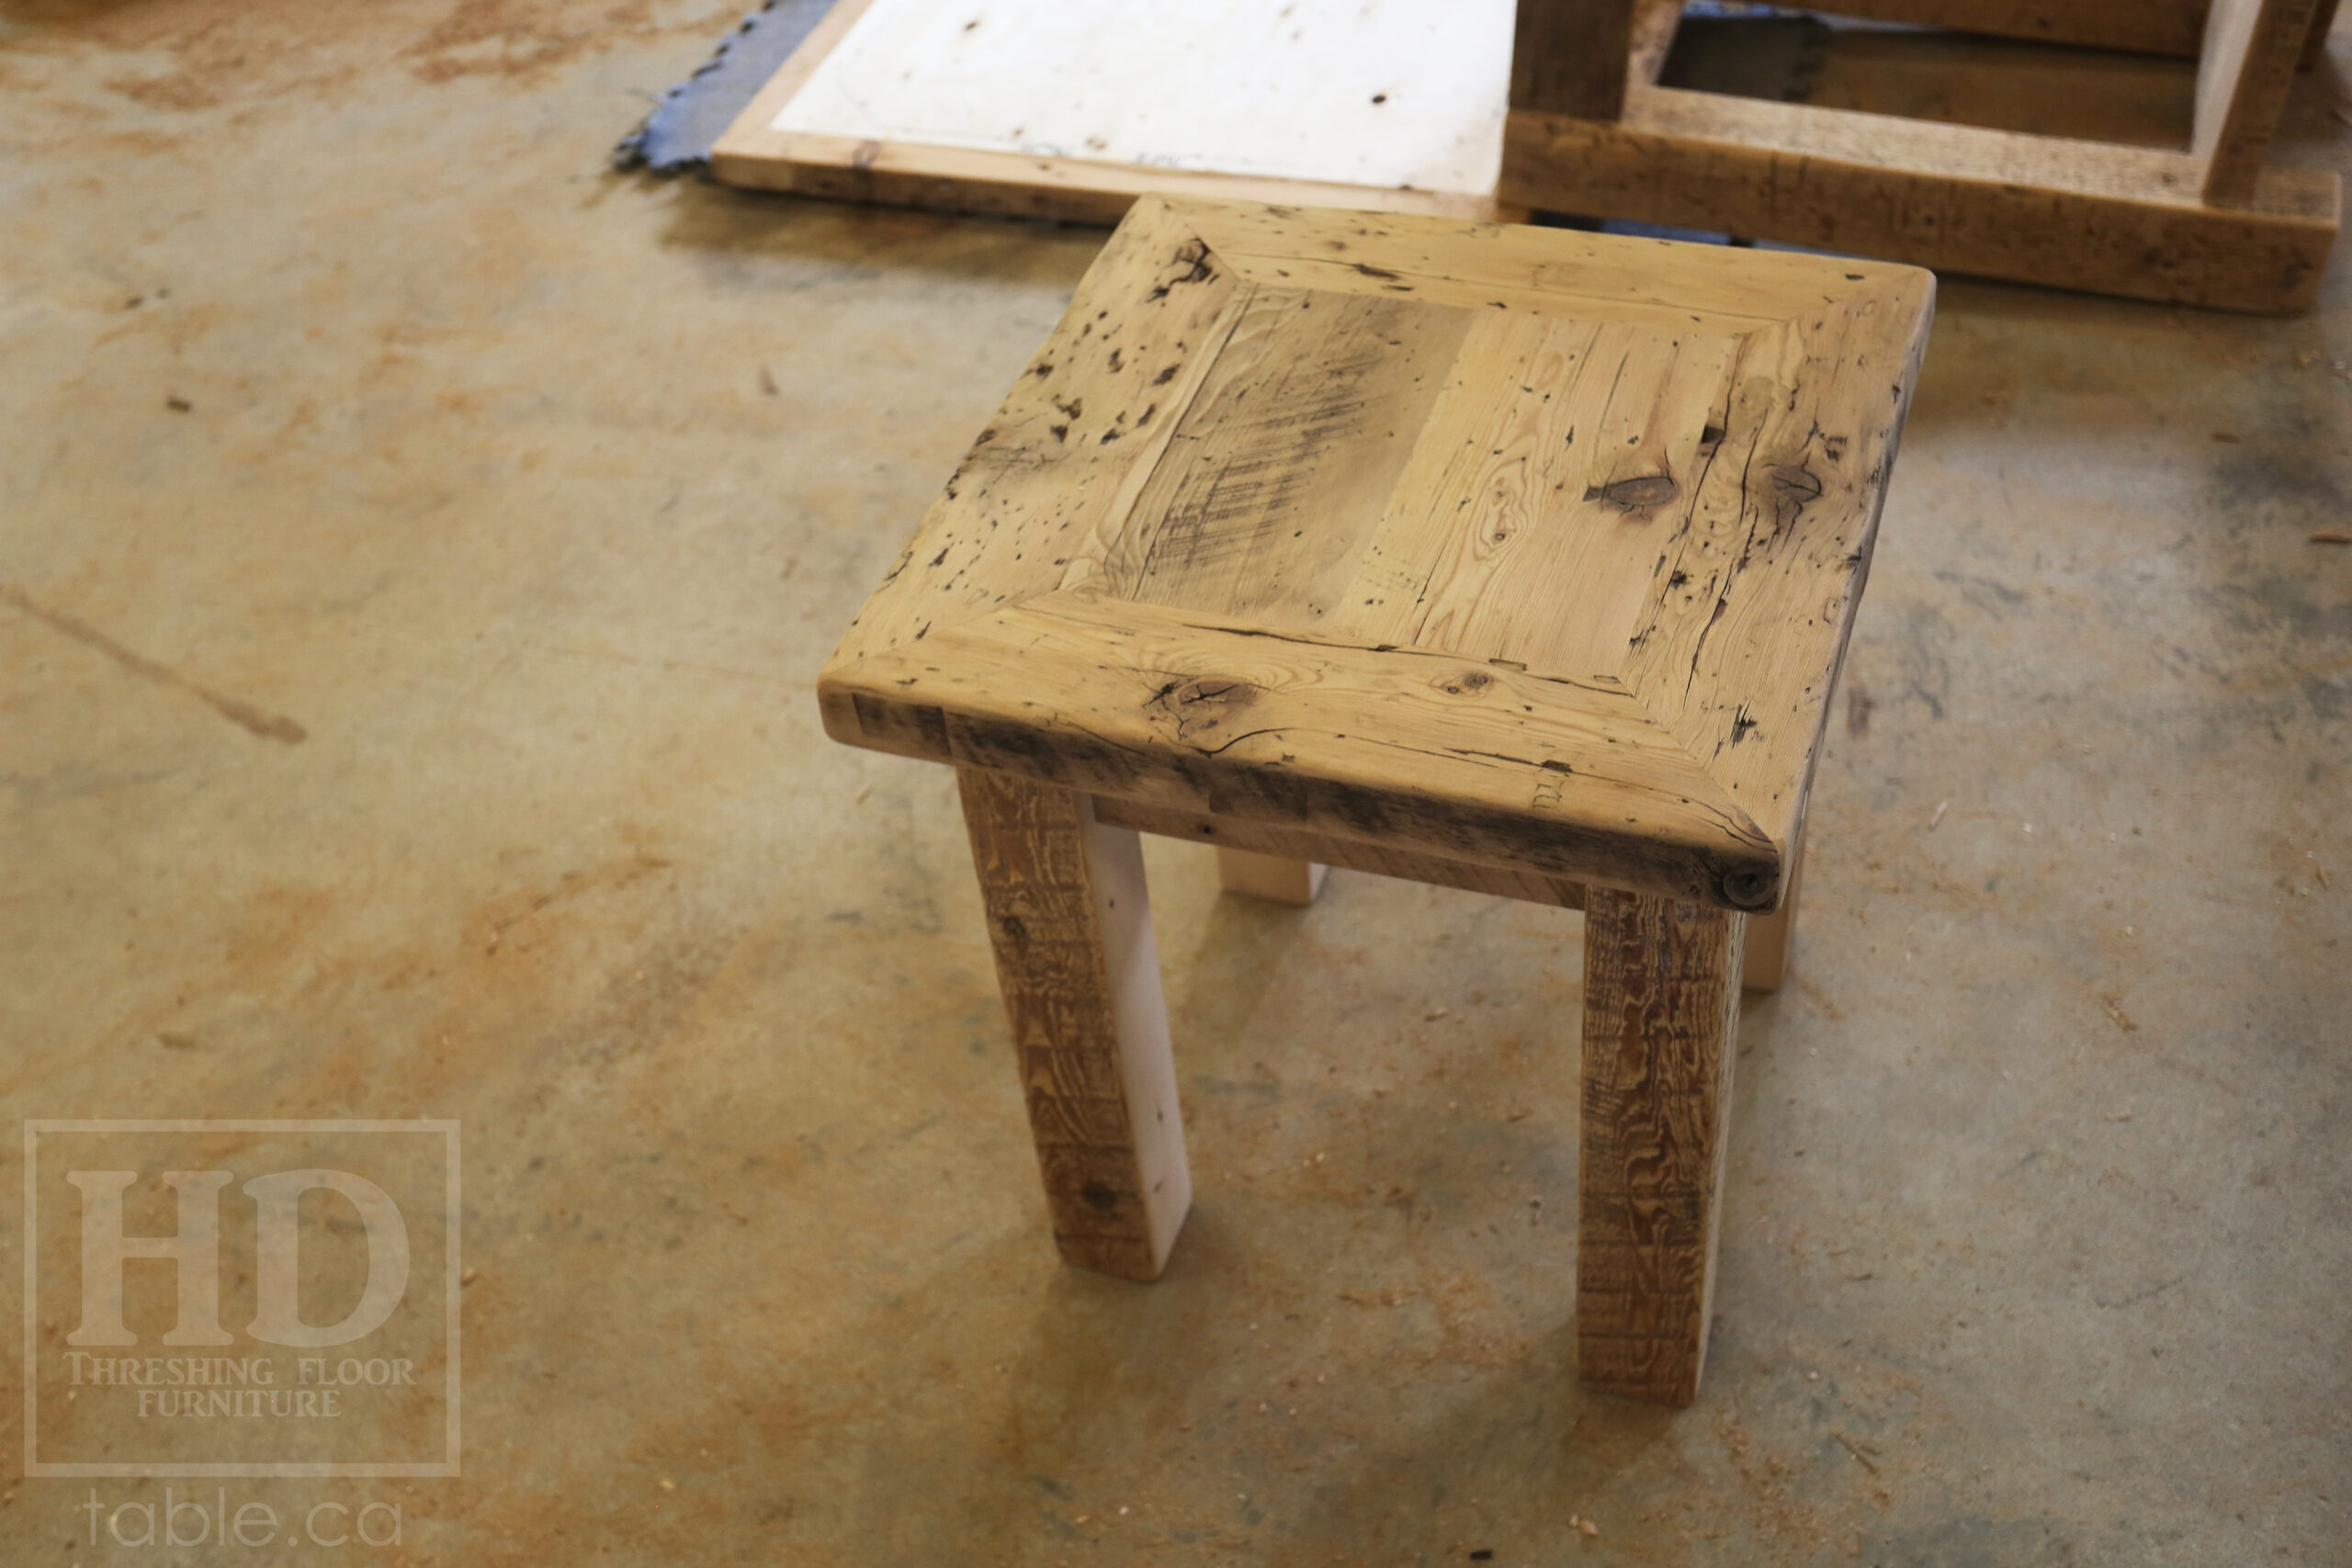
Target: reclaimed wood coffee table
1505	559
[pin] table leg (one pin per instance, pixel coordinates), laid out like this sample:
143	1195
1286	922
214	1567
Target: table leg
1284	880
1661	1010
1769	935
1070	922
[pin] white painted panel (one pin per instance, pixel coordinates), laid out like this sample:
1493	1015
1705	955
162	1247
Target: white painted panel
1360	92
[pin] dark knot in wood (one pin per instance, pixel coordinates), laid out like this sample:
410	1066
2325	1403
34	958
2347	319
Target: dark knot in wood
1751	889
1795	482
1637	494
1193	255
1199	711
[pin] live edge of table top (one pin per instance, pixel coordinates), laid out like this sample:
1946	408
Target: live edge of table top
1512	546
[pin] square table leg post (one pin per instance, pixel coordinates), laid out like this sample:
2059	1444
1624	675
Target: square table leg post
1070	922
1275	877
1571	56
1661	1010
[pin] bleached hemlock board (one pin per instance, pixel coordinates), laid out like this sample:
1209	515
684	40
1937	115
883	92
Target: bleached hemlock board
1072	110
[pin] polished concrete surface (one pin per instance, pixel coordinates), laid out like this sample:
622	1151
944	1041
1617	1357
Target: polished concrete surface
418	547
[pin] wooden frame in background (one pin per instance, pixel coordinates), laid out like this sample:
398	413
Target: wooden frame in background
1590	131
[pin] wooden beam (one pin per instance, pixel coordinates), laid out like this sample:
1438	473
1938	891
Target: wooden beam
1134	700
1569	56
1661	1010
1070	922
2315	40
2251	48
1349	854
2145	27
1019	184
2041	209
1278	863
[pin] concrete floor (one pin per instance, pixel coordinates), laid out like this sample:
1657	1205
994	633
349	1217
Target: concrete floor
420	723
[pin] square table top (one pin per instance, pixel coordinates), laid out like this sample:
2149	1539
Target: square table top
1518	546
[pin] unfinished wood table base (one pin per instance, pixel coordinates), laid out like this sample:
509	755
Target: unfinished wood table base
1590	131
1507	560
1070	925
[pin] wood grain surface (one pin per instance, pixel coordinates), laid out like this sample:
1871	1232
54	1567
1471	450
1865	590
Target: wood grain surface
1071	923
1425	750
1661	1009
1514	546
